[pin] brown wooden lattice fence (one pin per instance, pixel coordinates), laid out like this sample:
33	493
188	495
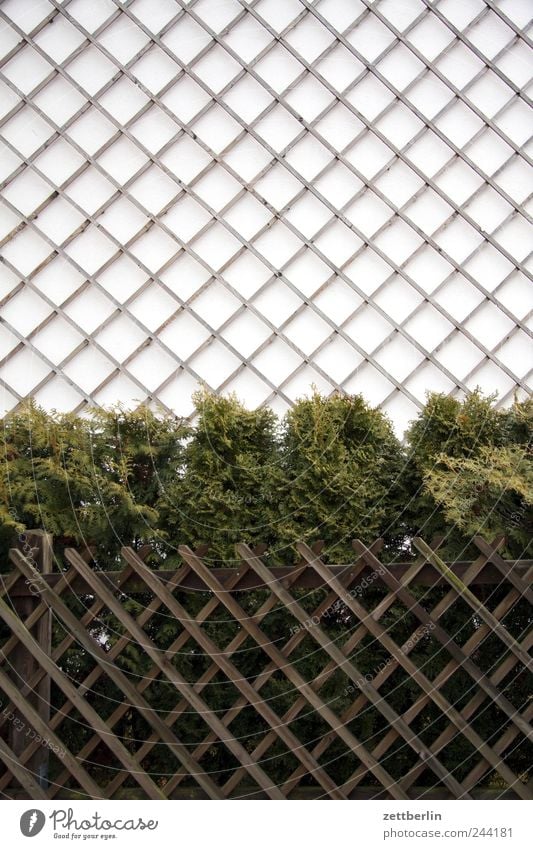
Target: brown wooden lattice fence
406	680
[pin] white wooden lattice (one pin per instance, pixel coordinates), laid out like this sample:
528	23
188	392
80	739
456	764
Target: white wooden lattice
262	196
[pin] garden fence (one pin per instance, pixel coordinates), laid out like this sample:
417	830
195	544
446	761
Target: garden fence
194	682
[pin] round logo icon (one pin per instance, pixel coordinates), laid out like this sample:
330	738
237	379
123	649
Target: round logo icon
32	822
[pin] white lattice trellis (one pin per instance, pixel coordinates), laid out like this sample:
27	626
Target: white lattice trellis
263	196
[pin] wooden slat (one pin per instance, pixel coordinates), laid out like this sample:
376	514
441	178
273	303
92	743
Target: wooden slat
233	674
417	675
449	644
173	676
264	744
323	710
428	577
320	679
134	697
480	696
477	606
349	668
508	570
409	715
36	721
331	667
173	714
56	655
22	775
152	674
83	706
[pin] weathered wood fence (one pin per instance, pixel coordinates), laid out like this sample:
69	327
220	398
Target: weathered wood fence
196	683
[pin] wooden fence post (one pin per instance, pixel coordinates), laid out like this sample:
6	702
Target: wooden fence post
37	547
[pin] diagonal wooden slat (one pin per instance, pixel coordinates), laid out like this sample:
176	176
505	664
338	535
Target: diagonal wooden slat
478	608
423	682
119	678
175	677
241	702
507	570
321	678
38	723
430	689
265	675
357	677
351	643
122	708
423	700
55	721
323	710
502	670
154	672
241	684
438	632
14	767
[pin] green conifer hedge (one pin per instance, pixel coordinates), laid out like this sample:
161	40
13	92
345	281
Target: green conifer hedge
332	469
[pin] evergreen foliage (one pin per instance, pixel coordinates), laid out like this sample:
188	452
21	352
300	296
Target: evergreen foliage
333	469
87	480
221	494
342	468
469	471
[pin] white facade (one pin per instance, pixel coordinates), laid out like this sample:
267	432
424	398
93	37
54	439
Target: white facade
264	196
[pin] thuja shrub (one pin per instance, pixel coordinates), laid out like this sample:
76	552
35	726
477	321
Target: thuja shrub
224	490
469	471
93	480
342	475
332	469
